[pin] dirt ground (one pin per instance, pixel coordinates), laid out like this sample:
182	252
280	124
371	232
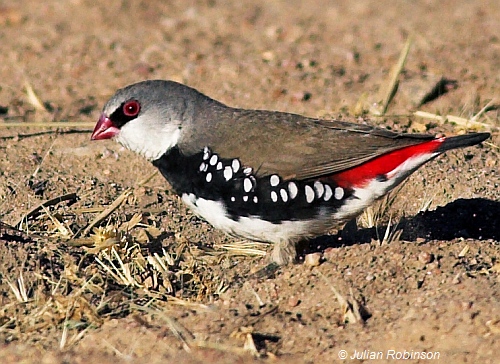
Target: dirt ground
168	288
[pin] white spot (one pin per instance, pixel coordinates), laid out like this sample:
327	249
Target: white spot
228	173
284	195
245	198
247	184
274	180
235	164
293	190
328	193
206	153
208	177
219	166
206	168
213	160
309	194
339	193
274	196
247	171
255	199
202	166
233	199
319	188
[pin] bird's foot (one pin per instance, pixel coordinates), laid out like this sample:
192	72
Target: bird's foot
284	253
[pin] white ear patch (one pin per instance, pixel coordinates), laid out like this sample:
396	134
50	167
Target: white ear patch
149	140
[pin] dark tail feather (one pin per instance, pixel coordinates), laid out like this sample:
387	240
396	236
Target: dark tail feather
461	141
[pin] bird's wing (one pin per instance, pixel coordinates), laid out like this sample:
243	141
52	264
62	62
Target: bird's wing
292	146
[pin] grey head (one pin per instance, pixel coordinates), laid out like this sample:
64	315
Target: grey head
148	117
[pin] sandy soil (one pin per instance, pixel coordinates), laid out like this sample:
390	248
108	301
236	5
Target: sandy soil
433	286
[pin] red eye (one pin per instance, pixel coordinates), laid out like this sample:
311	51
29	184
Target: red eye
131	108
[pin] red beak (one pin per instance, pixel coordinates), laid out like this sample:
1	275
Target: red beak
104	129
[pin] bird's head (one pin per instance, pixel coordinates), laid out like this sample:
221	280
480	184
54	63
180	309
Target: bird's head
145	117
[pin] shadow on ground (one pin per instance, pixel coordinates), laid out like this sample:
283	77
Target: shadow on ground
476	218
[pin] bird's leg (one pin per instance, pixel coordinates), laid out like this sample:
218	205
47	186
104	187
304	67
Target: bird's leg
284	253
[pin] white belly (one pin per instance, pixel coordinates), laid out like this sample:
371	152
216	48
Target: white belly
252	227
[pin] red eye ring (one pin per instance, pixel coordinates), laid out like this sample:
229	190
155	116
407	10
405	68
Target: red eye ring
131	108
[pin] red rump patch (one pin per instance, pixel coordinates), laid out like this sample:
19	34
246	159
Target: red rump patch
361	175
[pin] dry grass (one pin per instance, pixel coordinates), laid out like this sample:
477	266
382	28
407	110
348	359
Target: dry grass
378	213
462	124
74	279
392	85
352	310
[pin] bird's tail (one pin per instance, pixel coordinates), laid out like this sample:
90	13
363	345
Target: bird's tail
402	162
461	141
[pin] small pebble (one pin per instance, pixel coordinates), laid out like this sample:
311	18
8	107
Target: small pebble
330	253
491	162
312	260
268	56
426	257
143	69
466	305
293	301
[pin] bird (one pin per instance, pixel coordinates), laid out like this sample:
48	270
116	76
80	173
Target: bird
266	176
